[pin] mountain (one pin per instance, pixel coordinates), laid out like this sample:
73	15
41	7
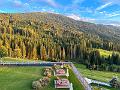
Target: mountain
106	32
48	35
54	37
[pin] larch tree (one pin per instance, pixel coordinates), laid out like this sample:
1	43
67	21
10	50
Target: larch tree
34	53
43	53
63	54
17	52
23	50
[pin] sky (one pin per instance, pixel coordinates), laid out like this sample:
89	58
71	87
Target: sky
96	11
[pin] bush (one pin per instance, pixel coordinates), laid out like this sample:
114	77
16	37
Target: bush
48	72
37	85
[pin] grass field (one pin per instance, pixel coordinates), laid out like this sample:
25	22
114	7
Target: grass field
76	83
18	59
18	78
21	78
96	87
97	75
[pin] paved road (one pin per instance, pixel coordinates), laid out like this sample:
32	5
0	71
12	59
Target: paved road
97	82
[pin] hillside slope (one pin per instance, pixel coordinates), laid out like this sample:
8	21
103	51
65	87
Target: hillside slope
65	23
105	32
53	36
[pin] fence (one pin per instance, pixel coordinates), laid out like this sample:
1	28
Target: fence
5	63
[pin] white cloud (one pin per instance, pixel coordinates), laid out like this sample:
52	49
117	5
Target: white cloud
48	10
108	22
77	2
113	1
76	17
26	5
18	3
109	15
97	21
1	11
113	15
115	24
50	2
104	6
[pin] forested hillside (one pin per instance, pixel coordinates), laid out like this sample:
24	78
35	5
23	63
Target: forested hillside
55	37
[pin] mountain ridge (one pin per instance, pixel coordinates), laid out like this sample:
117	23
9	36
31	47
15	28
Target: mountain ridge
106	32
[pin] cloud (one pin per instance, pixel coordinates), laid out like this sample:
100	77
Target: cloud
108	22
117	2
77	2
76	17
109	15
1	11
104	6
18	3
26	5
113	15
49	2
49	10
97	21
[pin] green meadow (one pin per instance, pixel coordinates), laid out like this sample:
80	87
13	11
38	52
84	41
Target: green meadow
97	75
21	78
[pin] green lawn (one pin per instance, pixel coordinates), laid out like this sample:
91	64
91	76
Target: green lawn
18	59
18	78
97	75
21	78
76	83
96	87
